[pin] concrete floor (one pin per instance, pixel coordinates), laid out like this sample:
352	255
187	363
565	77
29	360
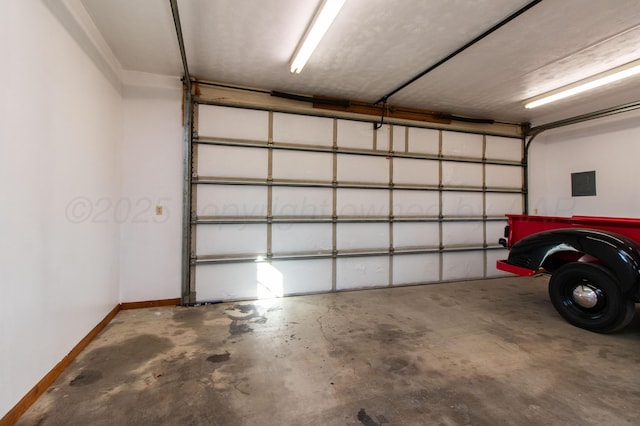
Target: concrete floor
488	352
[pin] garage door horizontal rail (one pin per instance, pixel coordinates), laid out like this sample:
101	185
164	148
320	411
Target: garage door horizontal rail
212	180
261	257
213	220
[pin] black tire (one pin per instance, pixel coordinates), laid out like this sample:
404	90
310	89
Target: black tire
588	296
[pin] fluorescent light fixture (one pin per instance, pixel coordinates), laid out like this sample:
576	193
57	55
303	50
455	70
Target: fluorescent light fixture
322	20
615	74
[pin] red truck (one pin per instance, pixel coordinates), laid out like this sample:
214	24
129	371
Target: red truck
594	264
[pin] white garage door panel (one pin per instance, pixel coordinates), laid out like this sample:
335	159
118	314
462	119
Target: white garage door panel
383	138
362	202
462	204
492	257
229	161
230	281
302	129
495	231
355	134
399	138
231	239
232	200
416	203
310	202
360	168
503	176
288	238
262	280
235	123
499	148
362	236
302	166
304	276
462	265
461	233
416	172
462	174
362	272
423	141
416	268
422	234
458	144
500	204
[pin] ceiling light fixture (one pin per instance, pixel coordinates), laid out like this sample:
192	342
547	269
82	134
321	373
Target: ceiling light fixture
322	20
615	74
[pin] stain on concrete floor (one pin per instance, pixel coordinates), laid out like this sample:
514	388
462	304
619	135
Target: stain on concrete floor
470	353
219	357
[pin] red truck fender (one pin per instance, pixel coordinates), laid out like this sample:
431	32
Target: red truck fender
547	251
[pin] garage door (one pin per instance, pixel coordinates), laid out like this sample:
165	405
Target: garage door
293	204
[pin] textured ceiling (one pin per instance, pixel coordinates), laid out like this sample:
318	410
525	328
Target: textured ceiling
376	45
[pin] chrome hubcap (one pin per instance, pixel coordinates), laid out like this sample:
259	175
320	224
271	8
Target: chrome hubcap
585	296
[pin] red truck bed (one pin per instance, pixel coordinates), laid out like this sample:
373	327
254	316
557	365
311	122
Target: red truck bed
521	226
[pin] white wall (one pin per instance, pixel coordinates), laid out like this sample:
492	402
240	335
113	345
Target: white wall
151	176
60	131
610	146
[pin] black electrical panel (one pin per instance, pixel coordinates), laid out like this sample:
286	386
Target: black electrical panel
583	184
